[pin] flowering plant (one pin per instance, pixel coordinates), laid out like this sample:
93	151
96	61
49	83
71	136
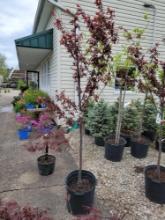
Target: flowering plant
24	120
11	210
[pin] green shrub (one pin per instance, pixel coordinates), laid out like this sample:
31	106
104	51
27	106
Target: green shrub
101	120
31	95
131	118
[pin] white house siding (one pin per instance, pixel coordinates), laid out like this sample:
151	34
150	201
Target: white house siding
53	61
129	13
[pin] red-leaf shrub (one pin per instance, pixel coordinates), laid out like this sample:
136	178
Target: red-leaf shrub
11	210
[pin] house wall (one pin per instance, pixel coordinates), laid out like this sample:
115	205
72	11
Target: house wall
49	68
129	13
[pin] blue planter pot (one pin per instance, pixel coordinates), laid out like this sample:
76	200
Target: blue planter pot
48	129
28	128
42	105
23	134
30	106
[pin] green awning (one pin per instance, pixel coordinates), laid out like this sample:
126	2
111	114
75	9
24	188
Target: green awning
43	40
31	50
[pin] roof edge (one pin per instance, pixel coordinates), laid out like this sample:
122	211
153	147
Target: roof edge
38	15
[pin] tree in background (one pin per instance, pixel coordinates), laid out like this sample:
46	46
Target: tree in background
3	67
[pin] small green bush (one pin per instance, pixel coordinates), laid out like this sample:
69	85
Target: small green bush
31	95
101	120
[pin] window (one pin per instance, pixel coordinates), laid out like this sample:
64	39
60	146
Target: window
45	77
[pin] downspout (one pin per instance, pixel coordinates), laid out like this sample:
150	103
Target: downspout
151	6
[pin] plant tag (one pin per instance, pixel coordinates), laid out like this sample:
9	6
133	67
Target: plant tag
158	119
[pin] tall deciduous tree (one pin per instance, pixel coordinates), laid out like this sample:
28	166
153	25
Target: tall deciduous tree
3	66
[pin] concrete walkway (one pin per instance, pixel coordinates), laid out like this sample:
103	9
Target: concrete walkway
19	177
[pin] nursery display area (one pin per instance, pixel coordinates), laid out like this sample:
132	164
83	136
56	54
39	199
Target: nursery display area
113	155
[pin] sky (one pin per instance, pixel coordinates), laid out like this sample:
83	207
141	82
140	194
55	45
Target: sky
16	21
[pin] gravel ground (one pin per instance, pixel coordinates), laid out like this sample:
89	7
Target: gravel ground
119	187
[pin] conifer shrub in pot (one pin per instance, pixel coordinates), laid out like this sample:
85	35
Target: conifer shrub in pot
153	71
130	123
140	143
141	139
101	122
91	68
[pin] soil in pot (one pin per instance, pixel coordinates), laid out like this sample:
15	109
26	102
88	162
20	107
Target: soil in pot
139	147
155	186
46	164
80	196
157	145
99	141
114	152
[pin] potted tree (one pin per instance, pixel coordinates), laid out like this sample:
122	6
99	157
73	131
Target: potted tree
93	65
125	72
153	70
51	140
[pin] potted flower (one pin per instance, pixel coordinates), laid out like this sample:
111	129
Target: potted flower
31	97
26	128
93	66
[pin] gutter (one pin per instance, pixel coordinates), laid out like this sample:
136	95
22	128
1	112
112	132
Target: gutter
38	15
151	6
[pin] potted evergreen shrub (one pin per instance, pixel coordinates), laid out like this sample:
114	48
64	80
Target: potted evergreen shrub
101	122
130	123
140	137
92	65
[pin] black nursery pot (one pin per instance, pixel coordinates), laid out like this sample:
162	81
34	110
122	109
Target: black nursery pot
80	203
87	131
99	141
127	137
114	152
157	145
154	190
150	135
46	167
139	150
